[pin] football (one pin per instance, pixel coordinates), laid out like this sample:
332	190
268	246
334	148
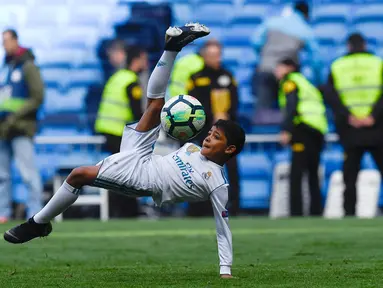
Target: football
183	117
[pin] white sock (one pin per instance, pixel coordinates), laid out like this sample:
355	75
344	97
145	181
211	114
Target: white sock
61	200
159	79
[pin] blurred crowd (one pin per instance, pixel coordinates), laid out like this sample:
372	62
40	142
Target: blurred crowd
284	96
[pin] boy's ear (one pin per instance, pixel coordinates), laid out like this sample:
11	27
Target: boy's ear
230	149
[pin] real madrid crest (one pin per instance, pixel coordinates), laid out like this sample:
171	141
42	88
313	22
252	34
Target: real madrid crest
224	81
192	149
207	175
16	76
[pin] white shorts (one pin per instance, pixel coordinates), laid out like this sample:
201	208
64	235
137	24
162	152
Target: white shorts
127	171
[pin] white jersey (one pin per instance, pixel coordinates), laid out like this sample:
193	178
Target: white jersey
188	176
184	175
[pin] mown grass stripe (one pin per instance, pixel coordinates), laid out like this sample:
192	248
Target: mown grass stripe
209	232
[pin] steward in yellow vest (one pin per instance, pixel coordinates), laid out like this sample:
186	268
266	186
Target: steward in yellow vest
121	104
355	95
304	125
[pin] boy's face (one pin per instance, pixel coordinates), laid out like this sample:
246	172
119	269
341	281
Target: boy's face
214	146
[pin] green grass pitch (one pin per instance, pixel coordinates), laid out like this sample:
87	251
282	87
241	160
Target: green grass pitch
183	253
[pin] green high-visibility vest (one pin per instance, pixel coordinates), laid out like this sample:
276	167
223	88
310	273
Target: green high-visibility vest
310	108
12	104
183	69
358	80
114	110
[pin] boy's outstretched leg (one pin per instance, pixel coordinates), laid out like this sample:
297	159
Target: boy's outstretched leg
176	38
39	225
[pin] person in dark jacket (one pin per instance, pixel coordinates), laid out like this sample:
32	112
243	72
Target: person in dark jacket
355	95
21	94
216	89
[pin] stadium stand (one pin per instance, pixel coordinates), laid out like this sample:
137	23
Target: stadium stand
65	35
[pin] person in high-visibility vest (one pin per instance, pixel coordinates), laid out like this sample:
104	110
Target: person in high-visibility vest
355	95
121	104
187	66
303	127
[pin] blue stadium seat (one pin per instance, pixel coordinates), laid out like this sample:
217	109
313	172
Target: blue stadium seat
72	100
328	50
7	20
98	2
245	96
44	3
232	55
19	192
90	60
216	32
37	38
243	75
239	35
84	37
47	16
368	13
254	165
17	12
335	12
308	72
332	160
89	15
328	30
282	156
372	30
55	77
246	2
59	58
368	162
251	14
213	14
85	77
182	13
119	15
255	194
249	58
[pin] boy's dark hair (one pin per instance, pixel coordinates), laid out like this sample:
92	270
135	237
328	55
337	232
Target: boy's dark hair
356	42
302	7
290	62
133	52
12	32
234	133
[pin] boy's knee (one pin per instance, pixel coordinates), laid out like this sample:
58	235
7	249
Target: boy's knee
80	176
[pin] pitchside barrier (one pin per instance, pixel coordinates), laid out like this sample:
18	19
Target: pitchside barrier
368	185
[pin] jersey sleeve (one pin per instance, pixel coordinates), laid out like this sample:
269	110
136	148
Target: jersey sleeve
219	198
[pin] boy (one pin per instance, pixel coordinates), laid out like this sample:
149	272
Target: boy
189	174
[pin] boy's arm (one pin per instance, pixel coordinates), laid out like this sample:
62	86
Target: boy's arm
219	198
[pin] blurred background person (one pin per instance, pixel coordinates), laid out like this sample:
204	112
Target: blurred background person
216	89
355	95
121	104
184	68
303	127
279	38
21	94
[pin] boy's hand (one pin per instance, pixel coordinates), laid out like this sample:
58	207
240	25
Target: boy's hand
226	276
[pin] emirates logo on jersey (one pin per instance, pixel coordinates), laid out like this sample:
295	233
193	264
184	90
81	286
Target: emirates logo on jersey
186	170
